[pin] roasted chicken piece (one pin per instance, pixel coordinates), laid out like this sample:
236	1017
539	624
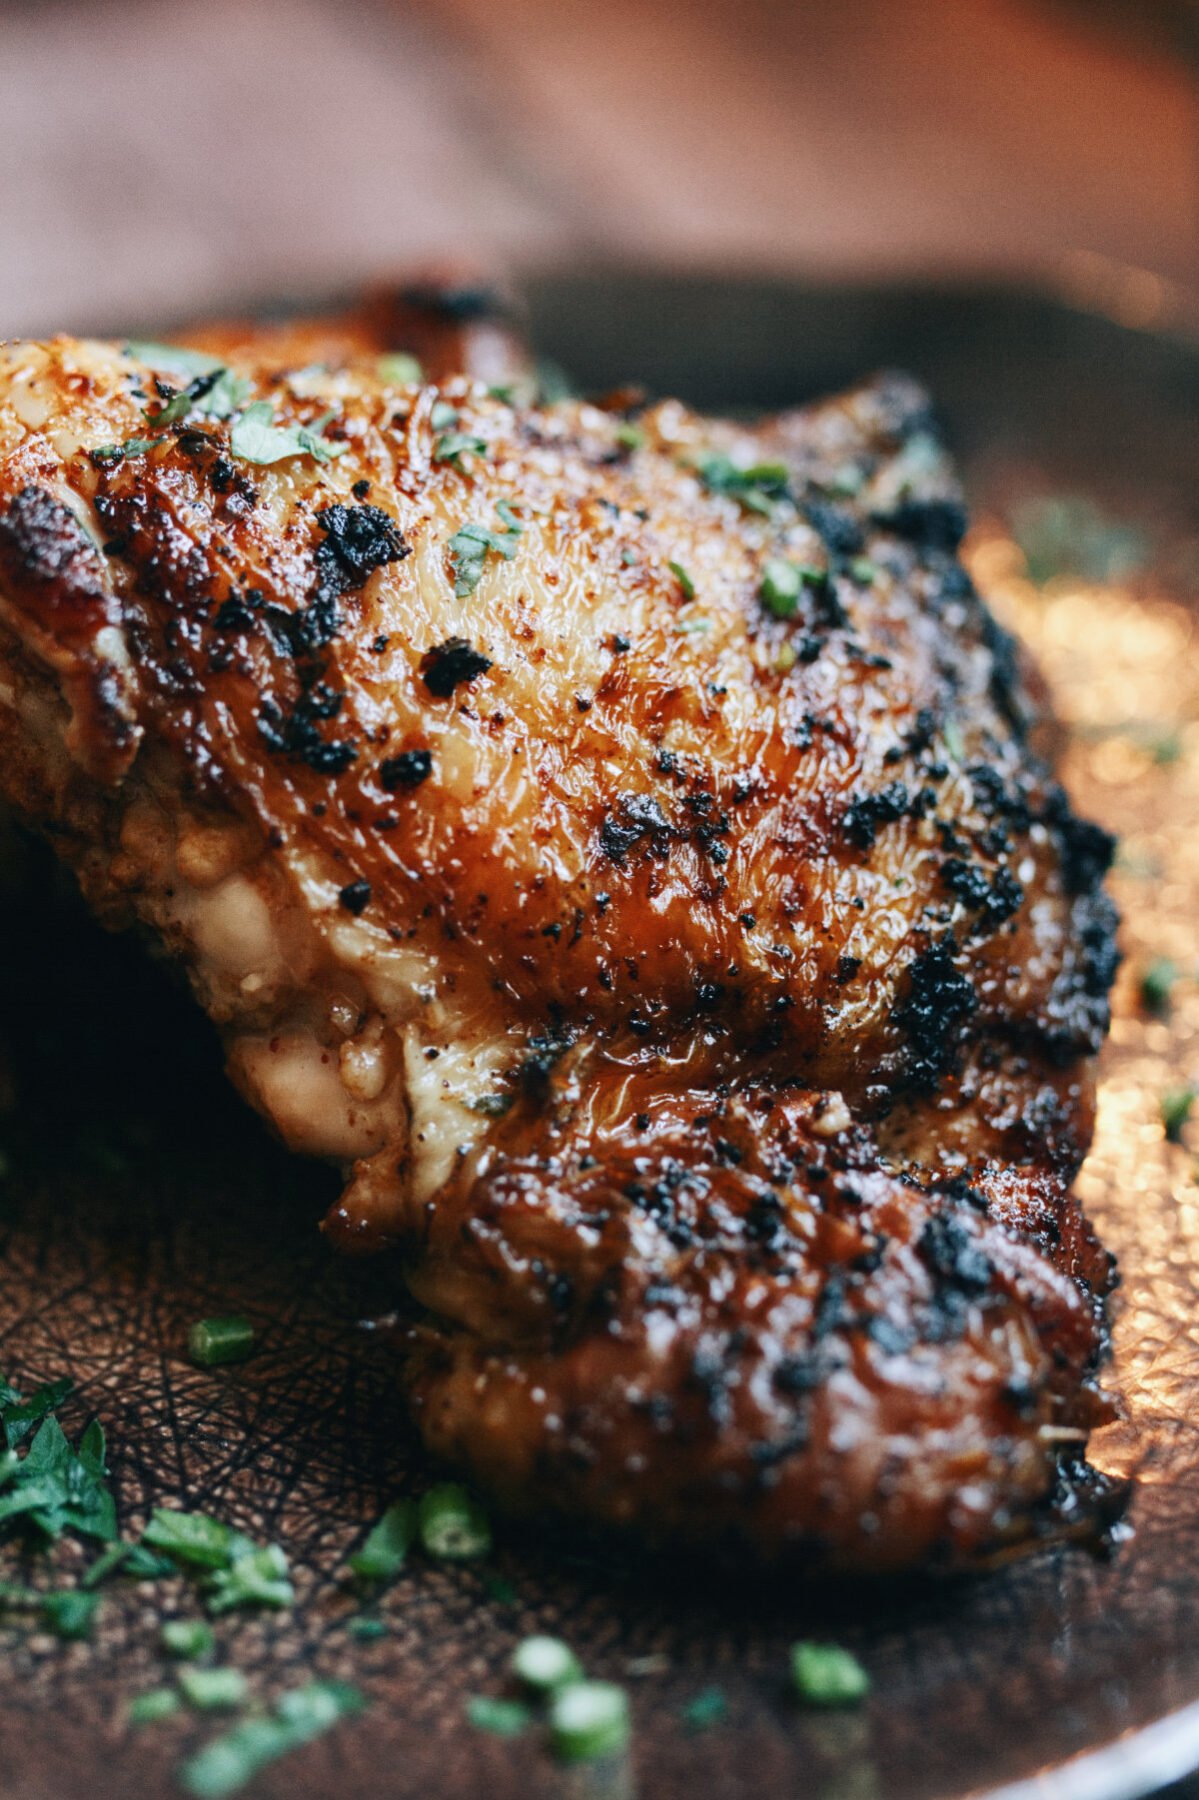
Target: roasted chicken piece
622	843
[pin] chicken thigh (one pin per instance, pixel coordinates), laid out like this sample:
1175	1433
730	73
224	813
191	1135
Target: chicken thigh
622	841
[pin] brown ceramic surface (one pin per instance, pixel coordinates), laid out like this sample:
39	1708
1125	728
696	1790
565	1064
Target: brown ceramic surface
141	1196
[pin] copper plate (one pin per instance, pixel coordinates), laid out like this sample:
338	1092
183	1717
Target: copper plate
140	1196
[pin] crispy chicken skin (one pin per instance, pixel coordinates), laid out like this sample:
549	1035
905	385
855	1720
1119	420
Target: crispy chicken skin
692	962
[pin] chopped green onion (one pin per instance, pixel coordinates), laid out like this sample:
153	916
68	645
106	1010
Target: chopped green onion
195	1538
1176	1104
212	1690
862	570
229	1762
148	1708
259	1578
755	488
453	1525
386	1548
630	437
588	1719
684	580
506	1718
826	1675
1157	985
453	444
71	1614
780	587
187	1638
400	368
211	1342
545	1662
951	732
706	1709
442	415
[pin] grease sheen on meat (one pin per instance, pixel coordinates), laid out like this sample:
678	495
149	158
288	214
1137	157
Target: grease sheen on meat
699	999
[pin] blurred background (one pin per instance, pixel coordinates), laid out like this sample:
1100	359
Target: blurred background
162	158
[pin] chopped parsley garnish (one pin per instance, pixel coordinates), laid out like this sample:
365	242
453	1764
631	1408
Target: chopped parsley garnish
70	1614
240	1572
826	1675
504	1718
453	444
211	1342
139	1564
227	1763
1176	1105
385	1551
195	1538
756	488
684	580
453	1526
400	368
259	1578
187	1639
256	438
115	453
67	1612
149	1708
18	1417
470	547
1158	981
57	1488
215	395
213	1690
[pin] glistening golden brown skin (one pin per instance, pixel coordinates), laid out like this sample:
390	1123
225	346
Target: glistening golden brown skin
701	997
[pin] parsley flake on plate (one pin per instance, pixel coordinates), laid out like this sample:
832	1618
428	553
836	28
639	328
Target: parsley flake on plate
58	1488
228	1762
